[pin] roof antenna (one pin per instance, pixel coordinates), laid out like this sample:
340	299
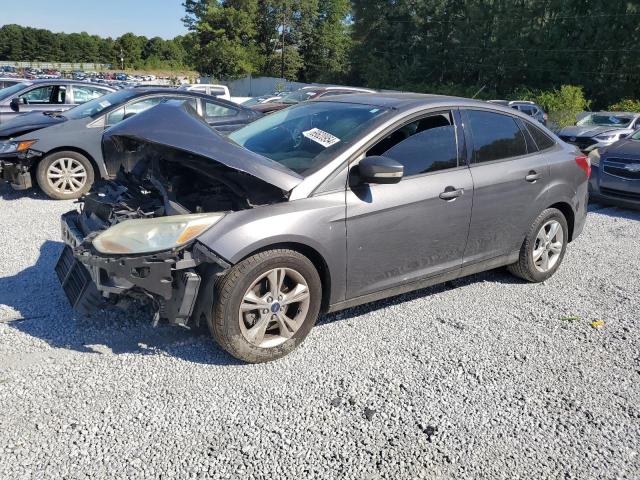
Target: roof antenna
478	92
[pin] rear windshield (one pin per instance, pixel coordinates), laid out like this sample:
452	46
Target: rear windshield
13	89
297	137
97	105
299	96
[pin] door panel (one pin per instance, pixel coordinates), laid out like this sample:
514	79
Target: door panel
508	193
402	232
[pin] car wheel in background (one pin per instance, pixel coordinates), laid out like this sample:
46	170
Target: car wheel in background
65	175
266	305
543	248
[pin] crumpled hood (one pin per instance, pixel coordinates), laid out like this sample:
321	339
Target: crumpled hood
590	131
177	125
625	148
28	122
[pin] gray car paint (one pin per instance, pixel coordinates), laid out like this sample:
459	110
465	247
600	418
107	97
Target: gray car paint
85	134
414	234
6	113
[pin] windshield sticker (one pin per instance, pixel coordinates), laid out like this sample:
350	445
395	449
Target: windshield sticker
615	120
105	103
320	136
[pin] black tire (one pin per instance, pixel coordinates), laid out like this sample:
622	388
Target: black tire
50	189
230	291
525	267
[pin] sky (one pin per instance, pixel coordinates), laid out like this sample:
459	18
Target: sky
107	18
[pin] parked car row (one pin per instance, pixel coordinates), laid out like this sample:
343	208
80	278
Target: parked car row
612	141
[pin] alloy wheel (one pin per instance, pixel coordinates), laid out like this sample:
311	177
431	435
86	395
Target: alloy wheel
274	307
548	246
67	175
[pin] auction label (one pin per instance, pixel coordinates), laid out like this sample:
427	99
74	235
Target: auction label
320	136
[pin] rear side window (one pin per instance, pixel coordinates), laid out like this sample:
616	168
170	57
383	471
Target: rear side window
424	146
214	110
543	141
495	136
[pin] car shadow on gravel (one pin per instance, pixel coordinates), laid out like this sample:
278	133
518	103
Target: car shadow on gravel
42	311
498	275
9	194
614	211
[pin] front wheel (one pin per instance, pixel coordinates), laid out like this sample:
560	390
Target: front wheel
65	175
266	305
543	248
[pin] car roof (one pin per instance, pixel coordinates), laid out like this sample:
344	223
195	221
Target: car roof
140	91
62	81
402	101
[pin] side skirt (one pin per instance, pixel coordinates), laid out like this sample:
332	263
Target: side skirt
427	282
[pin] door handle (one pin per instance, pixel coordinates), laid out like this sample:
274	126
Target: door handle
533	176
451	193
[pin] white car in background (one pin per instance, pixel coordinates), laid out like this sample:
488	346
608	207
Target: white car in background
220	91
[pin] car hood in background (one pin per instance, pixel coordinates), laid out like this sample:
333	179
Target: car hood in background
177	125
591	131
270	107
28	122
626	147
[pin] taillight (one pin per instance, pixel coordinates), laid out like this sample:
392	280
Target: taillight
584	163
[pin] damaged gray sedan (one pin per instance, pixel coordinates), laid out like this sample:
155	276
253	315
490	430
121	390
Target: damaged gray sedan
316	208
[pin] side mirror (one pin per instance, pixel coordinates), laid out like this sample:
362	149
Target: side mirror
15	104
377	169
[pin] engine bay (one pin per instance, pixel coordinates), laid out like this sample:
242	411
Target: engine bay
168	182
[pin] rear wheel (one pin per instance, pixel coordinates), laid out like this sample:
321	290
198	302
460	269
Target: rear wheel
65	175
266	305
544	247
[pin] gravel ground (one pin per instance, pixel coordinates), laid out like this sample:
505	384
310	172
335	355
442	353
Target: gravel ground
482	378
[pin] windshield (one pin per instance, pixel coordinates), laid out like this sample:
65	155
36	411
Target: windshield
606	120
299	96
97	105
13	89
298	136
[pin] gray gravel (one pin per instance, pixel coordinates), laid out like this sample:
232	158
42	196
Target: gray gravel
481	378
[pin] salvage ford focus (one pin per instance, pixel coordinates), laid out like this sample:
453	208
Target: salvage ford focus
317	208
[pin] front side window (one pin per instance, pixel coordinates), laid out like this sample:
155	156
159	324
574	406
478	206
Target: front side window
82	93
50	94
424	146
303	137
495	136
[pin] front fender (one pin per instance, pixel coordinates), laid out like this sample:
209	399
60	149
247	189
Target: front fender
317	223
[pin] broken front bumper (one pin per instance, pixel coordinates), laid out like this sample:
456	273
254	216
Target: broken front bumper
171	279
15	173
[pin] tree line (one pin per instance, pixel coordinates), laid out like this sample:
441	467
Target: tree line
18	43
488	48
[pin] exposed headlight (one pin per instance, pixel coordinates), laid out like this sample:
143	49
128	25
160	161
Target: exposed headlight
16	147
594	157
607	137
154	234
